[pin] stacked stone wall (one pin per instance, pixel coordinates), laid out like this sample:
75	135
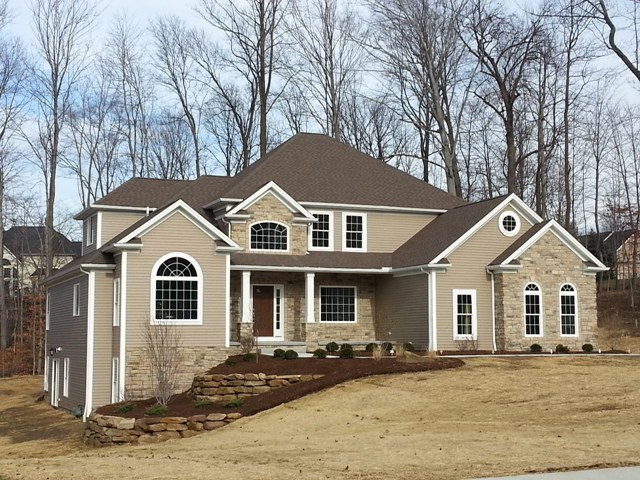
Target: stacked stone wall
105	430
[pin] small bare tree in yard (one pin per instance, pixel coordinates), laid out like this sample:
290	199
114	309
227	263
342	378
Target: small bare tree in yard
163	343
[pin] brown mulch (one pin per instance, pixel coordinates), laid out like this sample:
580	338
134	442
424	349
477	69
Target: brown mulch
335	371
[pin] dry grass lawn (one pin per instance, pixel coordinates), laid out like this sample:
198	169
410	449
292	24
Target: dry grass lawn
493	416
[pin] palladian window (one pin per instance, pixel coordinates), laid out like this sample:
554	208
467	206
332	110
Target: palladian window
178	287
532	311
568	310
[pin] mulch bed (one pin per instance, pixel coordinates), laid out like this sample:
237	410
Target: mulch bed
335	371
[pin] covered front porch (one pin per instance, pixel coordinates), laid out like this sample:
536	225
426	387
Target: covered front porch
302	308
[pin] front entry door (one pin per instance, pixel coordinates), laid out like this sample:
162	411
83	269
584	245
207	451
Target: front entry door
263	310
55	381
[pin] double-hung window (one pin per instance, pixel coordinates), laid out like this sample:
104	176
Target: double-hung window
354	231
532	311
464	315
321	232
76	299
568	310
116	302
338	304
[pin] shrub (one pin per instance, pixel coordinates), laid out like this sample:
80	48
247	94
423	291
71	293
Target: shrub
320	353
560	348
408	347
370	347
290	355
377	353
230	361
235	403
156	409
125	407
587	347
203	402
249	357
346	353
278	353
387	346
332	347
346	346
536	348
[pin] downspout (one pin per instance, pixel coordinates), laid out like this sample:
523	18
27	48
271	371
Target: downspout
493	308
88	402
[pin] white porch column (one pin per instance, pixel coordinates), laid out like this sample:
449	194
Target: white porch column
310	301
247	314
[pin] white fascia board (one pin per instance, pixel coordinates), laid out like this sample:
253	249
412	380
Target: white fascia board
191	214
111	208
420	269
267	268
220	201
565	237
273	188
503	268
123	246
98	266
522	207
380	208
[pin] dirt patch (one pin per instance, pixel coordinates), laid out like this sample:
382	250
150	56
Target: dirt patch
493	416
334	371
31	428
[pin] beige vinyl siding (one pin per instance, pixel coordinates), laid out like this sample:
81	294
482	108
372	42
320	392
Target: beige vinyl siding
387	231
69	333
402	309
177	234
115	222
102	338
468	272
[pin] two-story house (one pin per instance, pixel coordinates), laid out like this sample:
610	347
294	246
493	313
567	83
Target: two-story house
315	242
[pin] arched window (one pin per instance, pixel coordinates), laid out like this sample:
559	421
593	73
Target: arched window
269	236
568	310
532	311
177	290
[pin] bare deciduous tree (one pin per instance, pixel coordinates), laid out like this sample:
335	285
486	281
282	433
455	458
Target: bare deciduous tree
163	343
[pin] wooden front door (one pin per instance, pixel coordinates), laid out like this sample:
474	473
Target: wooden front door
263	310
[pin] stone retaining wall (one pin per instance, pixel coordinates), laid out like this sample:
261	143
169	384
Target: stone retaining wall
105	430
224	388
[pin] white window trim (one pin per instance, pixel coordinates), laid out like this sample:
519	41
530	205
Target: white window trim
65	376
574	294
116	302
331	230
266	249
90	231
516	230
524	310
474	314
47	314
364	232
152	298
76	300
115	381
355	305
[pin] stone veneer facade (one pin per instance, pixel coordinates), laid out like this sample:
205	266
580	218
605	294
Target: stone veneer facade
296	328
196	360
550	264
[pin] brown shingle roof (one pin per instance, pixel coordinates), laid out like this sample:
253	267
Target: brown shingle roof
315	259
318	168
95	257
441	233
143	192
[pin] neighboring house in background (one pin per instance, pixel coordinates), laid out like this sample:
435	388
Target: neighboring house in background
24	260
616	249
315	242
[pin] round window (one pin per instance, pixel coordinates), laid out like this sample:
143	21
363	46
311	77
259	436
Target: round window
509	224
